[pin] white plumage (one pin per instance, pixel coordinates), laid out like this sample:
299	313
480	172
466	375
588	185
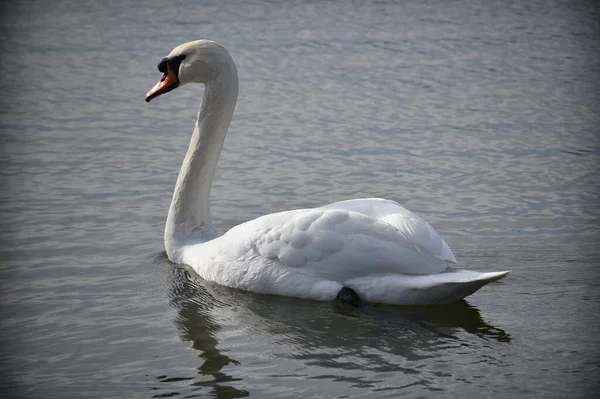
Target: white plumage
381	250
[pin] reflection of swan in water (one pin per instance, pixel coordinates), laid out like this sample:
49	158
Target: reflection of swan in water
448	319
337	337
461	315
194	322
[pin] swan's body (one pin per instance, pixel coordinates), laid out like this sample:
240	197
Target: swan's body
382	251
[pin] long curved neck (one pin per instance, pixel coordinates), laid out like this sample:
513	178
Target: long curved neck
189	214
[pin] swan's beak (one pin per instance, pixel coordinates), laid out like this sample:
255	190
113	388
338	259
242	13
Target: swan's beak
168	82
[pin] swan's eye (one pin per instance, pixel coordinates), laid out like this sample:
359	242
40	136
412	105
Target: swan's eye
176	61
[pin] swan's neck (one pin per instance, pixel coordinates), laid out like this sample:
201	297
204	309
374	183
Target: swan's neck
189	214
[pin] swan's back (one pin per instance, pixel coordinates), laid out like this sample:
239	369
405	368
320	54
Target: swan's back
412	227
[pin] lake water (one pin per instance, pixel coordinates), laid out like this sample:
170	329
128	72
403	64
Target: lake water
480	116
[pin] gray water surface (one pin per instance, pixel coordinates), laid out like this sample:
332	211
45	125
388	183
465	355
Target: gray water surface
480	116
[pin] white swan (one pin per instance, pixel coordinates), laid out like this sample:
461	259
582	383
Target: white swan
372	249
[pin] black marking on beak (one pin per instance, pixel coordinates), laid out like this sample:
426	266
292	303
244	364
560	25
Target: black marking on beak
173	62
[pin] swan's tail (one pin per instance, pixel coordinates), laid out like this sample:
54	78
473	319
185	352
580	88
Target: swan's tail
401	289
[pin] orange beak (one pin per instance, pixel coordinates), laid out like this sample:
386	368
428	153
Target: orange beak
168	82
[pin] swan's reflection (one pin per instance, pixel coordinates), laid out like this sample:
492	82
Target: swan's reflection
324	334
195	324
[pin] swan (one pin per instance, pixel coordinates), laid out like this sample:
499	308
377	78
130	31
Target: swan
368	250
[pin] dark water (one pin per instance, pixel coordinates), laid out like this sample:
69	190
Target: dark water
481	116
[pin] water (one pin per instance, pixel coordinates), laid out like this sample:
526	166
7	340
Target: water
482	117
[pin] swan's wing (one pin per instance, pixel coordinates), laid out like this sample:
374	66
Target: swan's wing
414	229
337	243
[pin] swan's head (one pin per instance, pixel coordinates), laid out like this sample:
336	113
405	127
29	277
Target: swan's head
200	61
